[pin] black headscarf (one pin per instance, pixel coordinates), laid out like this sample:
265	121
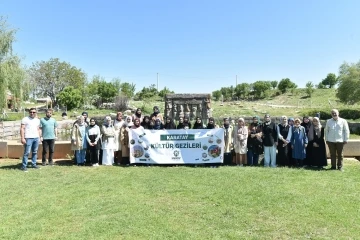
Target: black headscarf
146	125
211	125
171	124
136	113
198	125
91	126
158	125
187	123
306	125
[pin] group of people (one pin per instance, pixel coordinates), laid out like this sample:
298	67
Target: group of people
290	143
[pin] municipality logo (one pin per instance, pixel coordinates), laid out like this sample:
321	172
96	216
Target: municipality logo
176	153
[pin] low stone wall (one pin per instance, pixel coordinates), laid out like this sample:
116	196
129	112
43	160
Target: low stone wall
14	149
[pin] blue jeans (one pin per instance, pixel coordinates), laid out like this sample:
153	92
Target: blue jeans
80	156
33	145
252	158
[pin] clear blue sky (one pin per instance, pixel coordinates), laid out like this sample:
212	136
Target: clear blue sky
195	46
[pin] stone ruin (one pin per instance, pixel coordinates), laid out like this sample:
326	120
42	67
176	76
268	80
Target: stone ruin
188	105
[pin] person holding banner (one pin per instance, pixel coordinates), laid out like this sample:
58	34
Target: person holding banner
169	124
158	124
136	124
146	122
228	141
240	143
211	124
198	124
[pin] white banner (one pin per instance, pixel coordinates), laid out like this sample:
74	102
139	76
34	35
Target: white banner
177	146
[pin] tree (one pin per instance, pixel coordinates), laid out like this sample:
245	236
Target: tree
260	87
217	95
349	83
165	91
330	80
70	97
242	90
309	88
286	84
11	72
51	77
321	86
147	92
274	84
128	89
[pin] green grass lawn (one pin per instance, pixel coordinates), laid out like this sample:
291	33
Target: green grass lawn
68	202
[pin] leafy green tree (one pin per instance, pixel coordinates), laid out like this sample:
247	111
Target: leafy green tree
70	97
274	84
330	80
128	89
349	83
11	72
51	77
217	95
242	90
259	88
165	91
147	92
286	84
309	88
321	86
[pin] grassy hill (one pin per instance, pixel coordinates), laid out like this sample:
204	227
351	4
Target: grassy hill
289	104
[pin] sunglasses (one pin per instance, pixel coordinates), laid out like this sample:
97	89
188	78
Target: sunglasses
32	112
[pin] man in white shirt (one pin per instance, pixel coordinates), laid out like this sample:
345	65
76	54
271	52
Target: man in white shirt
336	136
30	136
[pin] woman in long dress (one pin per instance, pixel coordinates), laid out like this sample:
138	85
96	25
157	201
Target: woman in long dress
124	138
240	143
283	147
108	142
118	122
317	144
93	136
299	143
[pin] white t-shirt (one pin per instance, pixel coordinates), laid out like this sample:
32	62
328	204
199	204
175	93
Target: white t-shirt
31	127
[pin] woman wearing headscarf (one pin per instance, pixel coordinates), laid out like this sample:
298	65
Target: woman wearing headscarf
169	123
211	124
124	138
187	123
108	142
317	145
198	123
146	122
298	143
158	124
307	124
78	140
240	142
181	124
228	141
292	162
270	141
283	147
156	114
118	122
136	124
93	137
138	115
254	142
